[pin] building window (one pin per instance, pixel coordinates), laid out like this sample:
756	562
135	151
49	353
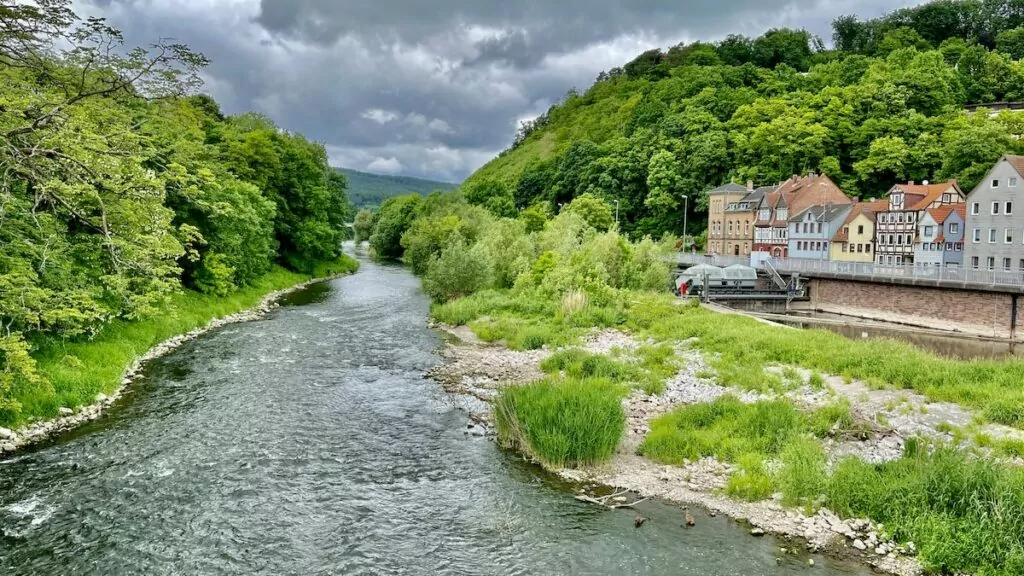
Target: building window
1009	235
860	229
991	235
974	262
1022	264
947	198
1008	208
977	235
844	248
892	239
899	260
995	208
881	218
911	217
1006	264
819	227
899	218
954	228
928	230
995	183
958	246
867	248
975	209
991	263
860	248
1012	183
730	227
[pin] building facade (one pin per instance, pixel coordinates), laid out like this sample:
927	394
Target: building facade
731	219
996	237
940	237
789	198
811	231
854	240
896	227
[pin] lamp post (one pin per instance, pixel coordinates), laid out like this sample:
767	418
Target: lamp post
686	206
616	212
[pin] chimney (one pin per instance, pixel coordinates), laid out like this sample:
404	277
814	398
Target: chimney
750	185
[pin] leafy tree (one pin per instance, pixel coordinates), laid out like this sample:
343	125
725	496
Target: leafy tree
394	218
593	210
899	39
1011	43
783	46
664	181
459	271
535	217
736	50
364	223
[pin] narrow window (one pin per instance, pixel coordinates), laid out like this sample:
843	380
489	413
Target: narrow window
995	183
867	248
860	229
1012	183
991	235
954	228
1009	235
977	235
1006	264
995	208
1008	208
928	230
991	263
975	209
974	262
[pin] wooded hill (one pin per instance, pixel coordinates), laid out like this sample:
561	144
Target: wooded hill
367	190
885	105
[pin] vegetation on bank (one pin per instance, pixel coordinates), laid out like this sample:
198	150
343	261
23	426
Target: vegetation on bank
884	104
125	194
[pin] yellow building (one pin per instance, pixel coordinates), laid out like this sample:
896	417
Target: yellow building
854	242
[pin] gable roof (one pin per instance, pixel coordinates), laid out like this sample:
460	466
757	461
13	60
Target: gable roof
859	209
827	213
814	189
941	213
731	187
1016	161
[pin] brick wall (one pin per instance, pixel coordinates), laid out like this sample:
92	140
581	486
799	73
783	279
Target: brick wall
986	313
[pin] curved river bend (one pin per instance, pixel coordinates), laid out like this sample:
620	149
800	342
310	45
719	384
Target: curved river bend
310	443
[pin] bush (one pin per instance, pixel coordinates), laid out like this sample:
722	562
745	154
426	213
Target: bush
573	422
459	271
394	218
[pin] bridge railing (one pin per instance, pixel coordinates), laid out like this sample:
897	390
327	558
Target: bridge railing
959	275
866	270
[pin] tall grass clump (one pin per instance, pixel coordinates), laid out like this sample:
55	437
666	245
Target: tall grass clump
647	372
570	422
965	514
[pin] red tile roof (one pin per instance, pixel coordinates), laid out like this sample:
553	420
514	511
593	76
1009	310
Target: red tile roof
920	196
867	209
801	193
1017	162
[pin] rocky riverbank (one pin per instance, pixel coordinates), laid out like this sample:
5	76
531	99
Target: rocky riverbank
37	432
479	370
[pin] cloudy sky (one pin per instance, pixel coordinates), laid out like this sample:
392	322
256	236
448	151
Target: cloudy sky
433	88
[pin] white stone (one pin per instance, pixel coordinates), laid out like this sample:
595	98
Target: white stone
65	411
756	532
6	434
859	544
101	397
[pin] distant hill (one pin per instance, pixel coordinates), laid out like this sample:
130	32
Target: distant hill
366	190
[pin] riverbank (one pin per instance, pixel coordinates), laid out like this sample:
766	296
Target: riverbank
89	377
880	427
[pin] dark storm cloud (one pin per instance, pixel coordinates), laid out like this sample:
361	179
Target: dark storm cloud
431	88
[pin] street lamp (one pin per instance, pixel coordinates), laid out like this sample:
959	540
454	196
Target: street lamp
616	212
686	206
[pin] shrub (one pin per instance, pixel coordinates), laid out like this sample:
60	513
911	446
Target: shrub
752	481
394	218
459	271
572	422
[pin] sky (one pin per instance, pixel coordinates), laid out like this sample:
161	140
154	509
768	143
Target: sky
433	88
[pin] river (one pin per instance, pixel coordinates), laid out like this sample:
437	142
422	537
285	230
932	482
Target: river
309	442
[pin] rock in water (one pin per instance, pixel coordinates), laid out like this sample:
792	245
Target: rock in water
756	532
689	519
639	521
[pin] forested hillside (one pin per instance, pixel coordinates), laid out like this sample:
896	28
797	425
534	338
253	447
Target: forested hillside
119	187
886	104
366	190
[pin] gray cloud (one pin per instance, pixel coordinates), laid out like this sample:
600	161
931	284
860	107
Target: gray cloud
431	88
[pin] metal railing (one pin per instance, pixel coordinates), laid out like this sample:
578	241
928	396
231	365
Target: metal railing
867	270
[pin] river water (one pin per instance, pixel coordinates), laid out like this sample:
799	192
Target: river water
310	443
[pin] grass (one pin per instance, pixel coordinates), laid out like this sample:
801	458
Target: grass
562	422
746	345
729	430
79	370
652	365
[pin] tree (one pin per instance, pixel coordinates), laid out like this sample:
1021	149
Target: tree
394	218
1011	43
593	210
363	225
736	50
899	39
783	46
664	181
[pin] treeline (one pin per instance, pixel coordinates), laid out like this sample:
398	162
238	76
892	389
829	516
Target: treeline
367	190
119	188
460	249
657	133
